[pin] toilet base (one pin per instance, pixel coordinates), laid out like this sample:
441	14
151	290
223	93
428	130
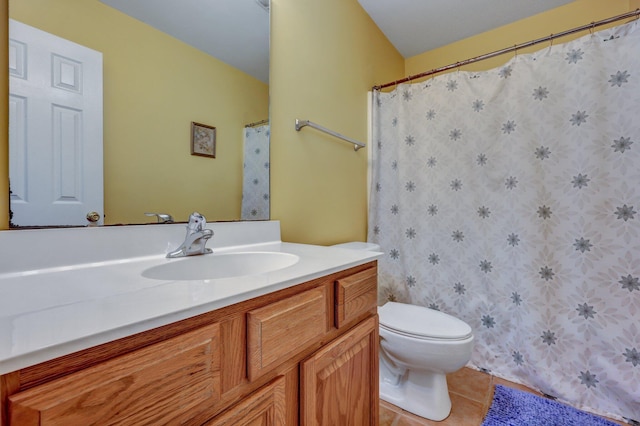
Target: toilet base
422	393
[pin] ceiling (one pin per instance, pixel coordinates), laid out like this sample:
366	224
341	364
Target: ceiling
416	26
233	31
237	31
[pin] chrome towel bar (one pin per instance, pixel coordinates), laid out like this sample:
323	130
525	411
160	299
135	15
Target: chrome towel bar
302	123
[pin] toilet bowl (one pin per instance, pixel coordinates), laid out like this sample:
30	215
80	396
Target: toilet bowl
418	348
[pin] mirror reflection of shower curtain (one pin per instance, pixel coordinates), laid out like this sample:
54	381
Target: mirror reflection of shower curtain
255	182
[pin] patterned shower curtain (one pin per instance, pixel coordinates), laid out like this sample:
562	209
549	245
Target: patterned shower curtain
511	199
255	181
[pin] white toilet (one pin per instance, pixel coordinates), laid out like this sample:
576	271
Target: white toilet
418	348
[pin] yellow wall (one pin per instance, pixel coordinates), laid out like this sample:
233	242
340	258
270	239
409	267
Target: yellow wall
155	86
571	15
325	56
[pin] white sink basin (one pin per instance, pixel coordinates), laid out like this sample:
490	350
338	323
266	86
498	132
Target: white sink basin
224	265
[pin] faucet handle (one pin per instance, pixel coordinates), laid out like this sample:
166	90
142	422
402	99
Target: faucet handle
197	222
162	217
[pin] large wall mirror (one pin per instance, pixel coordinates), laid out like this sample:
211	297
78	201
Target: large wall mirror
165	65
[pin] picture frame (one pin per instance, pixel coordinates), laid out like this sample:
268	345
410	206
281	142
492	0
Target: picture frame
203	140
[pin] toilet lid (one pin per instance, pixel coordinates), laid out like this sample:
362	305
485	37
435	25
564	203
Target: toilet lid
422	322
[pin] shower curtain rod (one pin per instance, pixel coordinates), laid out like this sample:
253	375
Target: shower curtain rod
257	123
590	26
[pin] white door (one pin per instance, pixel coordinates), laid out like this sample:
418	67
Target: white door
55	129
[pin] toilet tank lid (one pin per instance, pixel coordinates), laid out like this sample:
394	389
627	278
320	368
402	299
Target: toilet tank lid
359	245
421	321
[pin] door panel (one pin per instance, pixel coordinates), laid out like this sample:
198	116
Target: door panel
339	383
55	129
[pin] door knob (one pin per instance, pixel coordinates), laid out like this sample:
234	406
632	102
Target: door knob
93	217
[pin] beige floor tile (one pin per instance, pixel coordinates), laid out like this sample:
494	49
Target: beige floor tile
472	384
408	419
464	412
388	414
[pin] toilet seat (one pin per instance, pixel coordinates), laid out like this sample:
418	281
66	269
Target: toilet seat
422	323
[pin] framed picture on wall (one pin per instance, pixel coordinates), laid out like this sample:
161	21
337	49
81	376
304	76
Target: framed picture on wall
203	140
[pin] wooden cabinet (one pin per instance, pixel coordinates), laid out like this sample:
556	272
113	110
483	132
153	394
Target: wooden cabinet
303	355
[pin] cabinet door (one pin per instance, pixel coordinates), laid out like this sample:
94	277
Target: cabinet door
160	384
266	407
339	383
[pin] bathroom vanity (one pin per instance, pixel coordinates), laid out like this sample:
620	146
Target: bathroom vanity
298	345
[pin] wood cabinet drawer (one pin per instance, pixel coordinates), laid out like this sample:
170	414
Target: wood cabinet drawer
280	330
356	295
157	384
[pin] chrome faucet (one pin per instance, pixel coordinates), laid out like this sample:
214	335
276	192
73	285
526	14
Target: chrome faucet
196	239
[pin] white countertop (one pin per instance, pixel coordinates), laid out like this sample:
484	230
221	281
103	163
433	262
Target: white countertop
50	308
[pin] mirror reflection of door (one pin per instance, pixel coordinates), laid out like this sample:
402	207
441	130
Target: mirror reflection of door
55	129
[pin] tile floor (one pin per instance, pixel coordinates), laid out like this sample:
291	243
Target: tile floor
471	395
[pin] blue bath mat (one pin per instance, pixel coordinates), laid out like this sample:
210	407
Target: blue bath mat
512	407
